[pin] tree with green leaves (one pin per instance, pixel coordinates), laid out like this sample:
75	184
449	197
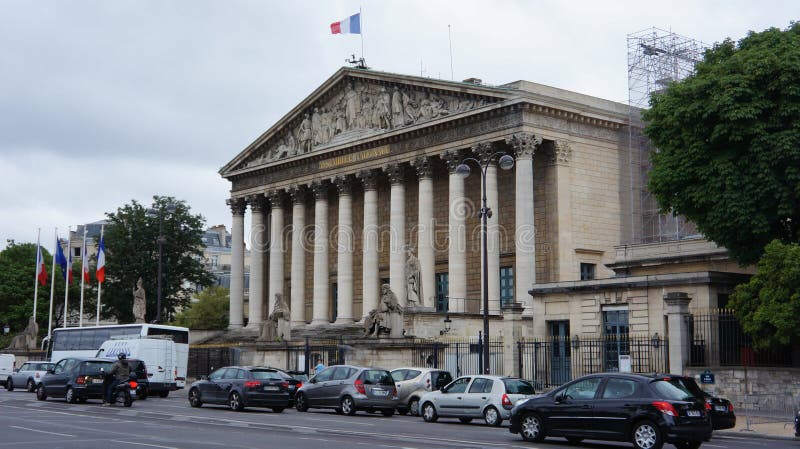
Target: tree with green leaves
728	143
210	311
769	305
131	242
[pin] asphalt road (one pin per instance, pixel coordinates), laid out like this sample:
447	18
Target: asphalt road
171	423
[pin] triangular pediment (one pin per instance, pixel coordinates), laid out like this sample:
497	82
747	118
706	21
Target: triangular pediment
354	104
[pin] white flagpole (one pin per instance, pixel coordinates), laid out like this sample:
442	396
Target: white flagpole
84	269
52	291
36	271
361	25
66	279
99	284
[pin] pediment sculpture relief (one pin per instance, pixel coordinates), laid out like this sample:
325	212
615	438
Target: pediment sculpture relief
362	108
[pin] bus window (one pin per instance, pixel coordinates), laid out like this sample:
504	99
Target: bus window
86	339
178	336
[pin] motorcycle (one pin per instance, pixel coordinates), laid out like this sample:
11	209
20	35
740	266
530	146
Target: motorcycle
124	392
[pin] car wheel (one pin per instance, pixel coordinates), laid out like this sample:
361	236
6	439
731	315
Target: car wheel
70	396
574	440
347	406
81	400
277	409
465	420
388	412
492	417
413	407
9	384
646	436
429	412
142	394
163	394
235	402
531	428
41	393
31	386
688	444
301	403
194	398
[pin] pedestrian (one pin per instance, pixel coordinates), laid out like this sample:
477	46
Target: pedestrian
320	366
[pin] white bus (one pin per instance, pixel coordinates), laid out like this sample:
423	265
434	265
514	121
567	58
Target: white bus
86	341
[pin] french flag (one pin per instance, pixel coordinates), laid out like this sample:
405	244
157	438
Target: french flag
100	272
69	268
41	270
85	262
350	25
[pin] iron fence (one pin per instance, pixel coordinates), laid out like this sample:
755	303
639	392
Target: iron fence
552	361
768	408
304	357
205	359
717	339
458	356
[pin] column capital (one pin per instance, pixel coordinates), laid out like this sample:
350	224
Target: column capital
524	144
562	152
276	198
453	159
344	184
395	172
485	151
320	190
298	194
369	178
257	202
237	205
424	166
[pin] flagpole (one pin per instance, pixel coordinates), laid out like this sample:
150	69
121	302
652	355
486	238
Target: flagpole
66	279
83	277
36	271
99	284
52	291
361	25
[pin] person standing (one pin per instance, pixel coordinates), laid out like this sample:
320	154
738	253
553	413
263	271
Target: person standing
319	367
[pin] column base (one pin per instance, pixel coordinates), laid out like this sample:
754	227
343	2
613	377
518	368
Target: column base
235	326
319	322
253	326
344	321
294	324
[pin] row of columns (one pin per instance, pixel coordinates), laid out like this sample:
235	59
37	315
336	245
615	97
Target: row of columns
523	146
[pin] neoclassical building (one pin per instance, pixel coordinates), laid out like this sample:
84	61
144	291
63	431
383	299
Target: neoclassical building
357	187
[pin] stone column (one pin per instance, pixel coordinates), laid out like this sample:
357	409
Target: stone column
567	269
344	251
370	278
237	206
397	229
524	145
677	311
485	153
258	248
276	250
457	235
298	279
425	237
320	314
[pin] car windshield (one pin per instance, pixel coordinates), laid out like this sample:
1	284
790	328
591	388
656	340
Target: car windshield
93	368
376	376
692	386
672	389
137	366
518	386
268	375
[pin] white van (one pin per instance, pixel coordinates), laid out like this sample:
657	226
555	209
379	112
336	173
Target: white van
159	356
7	364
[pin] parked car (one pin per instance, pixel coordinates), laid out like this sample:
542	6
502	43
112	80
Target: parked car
29	374
245	386
478	396
722	415
75	379
412	383
348	389
647	410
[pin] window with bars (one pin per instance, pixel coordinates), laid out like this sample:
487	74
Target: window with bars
506	286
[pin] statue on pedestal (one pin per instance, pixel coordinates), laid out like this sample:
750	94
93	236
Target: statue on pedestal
387	318
276	327
27	339
414	287
139	302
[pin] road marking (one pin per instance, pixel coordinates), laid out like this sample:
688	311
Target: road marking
340	421
144	444
42	431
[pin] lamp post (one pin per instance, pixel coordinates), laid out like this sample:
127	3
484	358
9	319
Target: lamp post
506	162
159	212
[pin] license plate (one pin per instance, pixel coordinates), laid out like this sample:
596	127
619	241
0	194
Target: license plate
97	381
720	408
269	388
133	392
380	392
693	413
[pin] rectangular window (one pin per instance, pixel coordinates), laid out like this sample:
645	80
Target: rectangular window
76	251
214	261
587	271
335	300
506	286
442	292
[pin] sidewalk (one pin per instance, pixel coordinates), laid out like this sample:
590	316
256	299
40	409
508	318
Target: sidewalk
781	431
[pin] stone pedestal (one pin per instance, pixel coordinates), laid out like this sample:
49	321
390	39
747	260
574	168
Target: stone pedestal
677	310
395	324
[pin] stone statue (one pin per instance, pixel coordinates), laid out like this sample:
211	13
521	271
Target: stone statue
316	127
276	327
387	318
352	106
398	119
414	287
389	300
139	302
26	341
383	115
304	135
372	324
409	107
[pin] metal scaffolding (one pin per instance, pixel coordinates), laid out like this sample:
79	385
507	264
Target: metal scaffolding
655	58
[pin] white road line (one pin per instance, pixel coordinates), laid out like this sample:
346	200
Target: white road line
144	444
42	431
340	421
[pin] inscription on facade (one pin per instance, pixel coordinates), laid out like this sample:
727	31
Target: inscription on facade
354	157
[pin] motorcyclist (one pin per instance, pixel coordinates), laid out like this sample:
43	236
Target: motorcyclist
119	373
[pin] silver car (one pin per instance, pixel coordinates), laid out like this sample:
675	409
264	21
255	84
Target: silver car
348	389
28	375
477	396
412	383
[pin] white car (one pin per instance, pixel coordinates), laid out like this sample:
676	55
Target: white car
29	375
477	396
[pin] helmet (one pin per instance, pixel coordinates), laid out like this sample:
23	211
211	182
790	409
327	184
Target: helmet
121	356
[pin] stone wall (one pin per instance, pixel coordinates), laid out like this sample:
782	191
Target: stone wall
735	383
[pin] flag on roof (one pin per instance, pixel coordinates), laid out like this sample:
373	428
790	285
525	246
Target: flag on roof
350	25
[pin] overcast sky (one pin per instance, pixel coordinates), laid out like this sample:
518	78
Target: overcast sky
102	102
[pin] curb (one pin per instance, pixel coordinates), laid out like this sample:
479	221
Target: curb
745	434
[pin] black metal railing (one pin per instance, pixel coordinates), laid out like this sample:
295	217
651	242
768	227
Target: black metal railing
205	359
303	357
459	356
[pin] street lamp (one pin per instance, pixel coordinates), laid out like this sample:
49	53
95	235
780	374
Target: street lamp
158	211
506	162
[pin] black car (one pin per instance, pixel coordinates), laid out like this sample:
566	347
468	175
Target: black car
245	386
722	415
75	379
647	410
139	371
